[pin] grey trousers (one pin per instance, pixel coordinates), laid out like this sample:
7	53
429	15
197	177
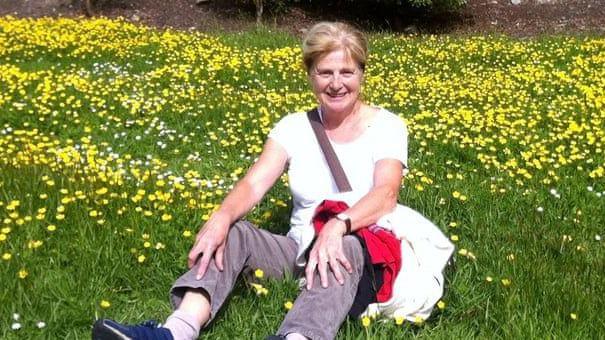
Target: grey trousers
317	313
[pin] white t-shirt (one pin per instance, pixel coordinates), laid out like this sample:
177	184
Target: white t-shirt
309	176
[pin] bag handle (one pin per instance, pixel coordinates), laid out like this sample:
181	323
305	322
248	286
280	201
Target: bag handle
342	182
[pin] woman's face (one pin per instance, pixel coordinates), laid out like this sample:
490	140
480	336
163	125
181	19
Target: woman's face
336	81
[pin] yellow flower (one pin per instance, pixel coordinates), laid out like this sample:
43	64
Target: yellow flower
22	274
33	244
441	304
51	227
7	256
101	191
366	321
418	320
105	304
489	279
573	316
506	282
147	244
141	258
259	273
186	233
288	305
399	320
456	194
454	238
166	217
2	237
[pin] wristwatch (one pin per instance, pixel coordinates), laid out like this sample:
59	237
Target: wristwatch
346	219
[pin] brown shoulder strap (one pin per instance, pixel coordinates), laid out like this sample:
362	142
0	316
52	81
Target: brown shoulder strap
342	182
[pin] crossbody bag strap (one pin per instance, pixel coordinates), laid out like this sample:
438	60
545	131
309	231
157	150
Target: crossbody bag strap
342	182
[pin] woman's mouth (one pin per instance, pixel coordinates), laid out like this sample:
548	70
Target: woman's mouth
337	95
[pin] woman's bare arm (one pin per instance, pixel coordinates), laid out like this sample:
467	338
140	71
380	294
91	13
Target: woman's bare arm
211	239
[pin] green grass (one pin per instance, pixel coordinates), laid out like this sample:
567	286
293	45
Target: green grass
506	155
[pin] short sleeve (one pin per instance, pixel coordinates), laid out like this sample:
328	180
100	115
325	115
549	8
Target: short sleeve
392	140
283	133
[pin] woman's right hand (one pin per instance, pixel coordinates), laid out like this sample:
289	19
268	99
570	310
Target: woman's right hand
210	243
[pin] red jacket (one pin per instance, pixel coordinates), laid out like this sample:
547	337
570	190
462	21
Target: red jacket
384	249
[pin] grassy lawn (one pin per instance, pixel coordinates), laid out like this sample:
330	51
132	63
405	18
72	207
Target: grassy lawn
118	141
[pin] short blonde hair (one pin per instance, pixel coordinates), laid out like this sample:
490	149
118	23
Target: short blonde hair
325	37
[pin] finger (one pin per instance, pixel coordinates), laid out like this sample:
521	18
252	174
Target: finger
345	263
322	267
334	266
219	257
201	270
193	256
309	272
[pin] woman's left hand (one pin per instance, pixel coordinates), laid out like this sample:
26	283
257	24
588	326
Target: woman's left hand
328	251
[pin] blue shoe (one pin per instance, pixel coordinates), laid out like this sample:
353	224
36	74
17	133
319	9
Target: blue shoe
105	329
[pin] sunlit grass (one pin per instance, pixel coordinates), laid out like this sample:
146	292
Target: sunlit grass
117	141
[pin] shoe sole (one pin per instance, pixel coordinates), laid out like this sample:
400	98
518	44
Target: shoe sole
102	331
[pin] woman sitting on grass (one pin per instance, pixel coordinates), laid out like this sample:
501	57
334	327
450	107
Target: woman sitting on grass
371	145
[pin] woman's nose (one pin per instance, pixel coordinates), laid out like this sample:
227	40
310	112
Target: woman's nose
336	81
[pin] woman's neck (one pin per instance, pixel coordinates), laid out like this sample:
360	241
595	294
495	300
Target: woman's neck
334	119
